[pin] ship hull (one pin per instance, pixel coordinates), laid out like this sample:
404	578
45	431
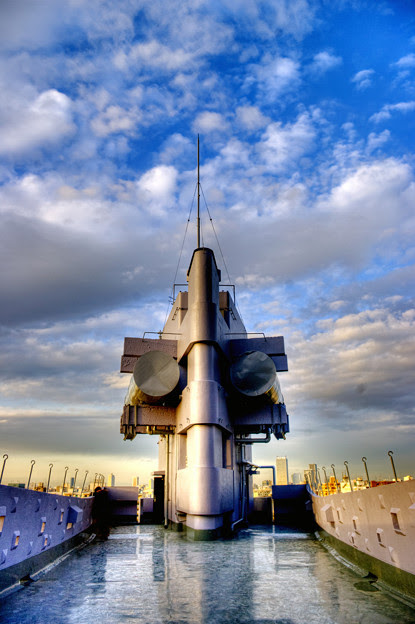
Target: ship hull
373	529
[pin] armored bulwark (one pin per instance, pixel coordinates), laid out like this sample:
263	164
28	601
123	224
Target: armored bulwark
208	390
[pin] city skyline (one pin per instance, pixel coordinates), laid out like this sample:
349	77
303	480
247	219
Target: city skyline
306	119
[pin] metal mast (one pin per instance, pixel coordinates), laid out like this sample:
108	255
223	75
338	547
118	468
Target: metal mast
198	195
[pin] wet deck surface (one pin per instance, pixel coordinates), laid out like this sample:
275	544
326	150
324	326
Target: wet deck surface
152	576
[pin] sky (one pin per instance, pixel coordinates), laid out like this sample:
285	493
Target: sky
306	116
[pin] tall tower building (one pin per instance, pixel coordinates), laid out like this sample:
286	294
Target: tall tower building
111	480
311	476
282	471
136	481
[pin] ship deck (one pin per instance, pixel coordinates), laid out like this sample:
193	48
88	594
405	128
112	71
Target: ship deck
149	575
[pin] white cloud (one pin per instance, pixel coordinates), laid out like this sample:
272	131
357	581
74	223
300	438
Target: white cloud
375	141
251	118
359	359
406	62
371	185
388	109
209	122
267	19
115	119
324	61
156	189
32	25
38	123
363	79
282	146
278	75
155	55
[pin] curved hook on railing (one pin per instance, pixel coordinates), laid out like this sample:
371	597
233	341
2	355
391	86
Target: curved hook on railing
390	453
346	463
319	482
74	480
32	463
364	460
83	485
5	458
325	475
64	478
50	472
335	478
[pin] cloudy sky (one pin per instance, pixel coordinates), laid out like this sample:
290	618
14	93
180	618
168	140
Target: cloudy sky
306	114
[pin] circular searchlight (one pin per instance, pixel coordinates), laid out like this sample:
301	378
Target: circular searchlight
253	374
155	376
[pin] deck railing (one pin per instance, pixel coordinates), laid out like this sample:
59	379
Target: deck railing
65	488
332	485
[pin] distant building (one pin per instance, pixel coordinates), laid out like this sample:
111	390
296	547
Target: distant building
311	476
282	470
111	480
136	481
296	478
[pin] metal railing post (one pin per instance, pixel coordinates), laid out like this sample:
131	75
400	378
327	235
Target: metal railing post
83	485
5	458
74	480
390	453
319	483
64	478
50	472
325	476
30	473
364	460
346	463
335	478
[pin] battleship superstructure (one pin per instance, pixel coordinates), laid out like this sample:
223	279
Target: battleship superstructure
207	389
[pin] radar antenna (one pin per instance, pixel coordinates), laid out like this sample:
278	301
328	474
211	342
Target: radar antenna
198	194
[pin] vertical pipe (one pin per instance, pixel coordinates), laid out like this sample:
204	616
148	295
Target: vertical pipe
166	484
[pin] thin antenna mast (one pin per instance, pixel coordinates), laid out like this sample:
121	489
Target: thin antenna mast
198	195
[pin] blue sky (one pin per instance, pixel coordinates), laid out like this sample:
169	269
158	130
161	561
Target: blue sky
305	110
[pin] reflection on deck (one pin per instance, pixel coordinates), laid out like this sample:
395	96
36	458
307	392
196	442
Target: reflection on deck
149	575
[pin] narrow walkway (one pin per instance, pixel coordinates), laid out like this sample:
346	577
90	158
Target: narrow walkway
146	575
